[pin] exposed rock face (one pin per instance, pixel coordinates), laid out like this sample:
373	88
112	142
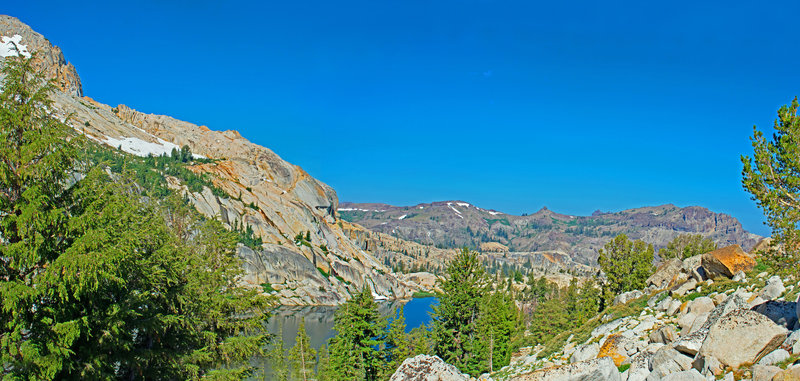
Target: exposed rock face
427	368
278	200
727	261
47	57
741	337
457	223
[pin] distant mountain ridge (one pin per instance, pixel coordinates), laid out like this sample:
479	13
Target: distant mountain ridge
449	224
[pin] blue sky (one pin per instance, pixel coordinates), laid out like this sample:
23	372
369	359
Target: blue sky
576	106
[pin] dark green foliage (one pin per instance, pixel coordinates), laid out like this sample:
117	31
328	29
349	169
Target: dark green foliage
356	351
561	310
99	280
687	245
454	325
499	323
399	344
627	265
303	358
248	238
772	176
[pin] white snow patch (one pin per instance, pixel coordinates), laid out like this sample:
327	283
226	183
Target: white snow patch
403	216
360	210
7	47
422	207
464	204
494	213
140	147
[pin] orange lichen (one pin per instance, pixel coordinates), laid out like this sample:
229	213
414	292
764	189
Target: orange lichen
609	349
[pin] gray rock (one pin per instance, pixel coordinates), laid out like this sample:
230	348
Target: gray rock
764	372
791	339
664	304
700	305
779	311
592	370
797	310
663	335
652	302
698	322
684	288
427	368
773	289
626	297
774	357
742	336
585	352
740	276
686	375
707	365
674	307
669	360
666	273
685	322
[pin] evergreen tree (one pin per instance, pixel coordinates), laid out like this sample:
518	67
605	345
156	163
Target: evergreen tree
499	325
398	342
772	176
454	328
279	368
302	356
687	245
98	282
355	351
626	263
324	371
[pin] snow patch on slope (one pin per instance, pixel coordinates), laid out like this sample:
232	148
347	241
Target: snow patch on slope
142	148
7	48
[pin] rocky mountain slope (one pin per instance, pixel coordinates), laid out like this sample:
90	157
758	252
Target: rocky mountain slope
278	200
712	316
456	223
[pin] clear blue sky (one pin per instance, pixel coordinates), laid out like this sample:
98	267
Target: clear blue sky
575	106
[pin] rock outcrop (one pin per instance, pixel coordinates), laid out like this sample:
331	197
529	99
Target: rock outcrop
427	368
48	58
742	336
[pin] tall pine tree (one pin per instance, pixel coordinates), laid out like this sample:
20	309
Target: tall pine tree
302	356
355	351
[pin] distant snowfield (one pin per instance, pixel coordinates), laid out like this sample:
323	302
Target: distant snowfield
7	47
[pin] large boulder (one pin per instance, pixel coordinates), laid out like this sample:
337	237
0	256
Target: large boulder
742	336
663	335
585	352
727	262
600	369
427	368
700	305
666	273
667	360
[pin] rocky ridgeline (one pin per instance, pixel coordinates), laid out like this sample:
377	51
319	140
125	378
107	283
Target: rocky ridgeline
708	317
457	223
275	198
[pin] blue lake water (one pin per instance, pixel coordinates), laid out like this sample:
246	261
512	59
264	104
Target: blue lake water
319	319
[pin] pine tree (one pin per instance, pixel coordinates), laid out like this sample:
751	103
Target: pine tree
772	176
626	263
398	342
454	329
302	356
355	351
499	325
99	282
324	371
276	356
